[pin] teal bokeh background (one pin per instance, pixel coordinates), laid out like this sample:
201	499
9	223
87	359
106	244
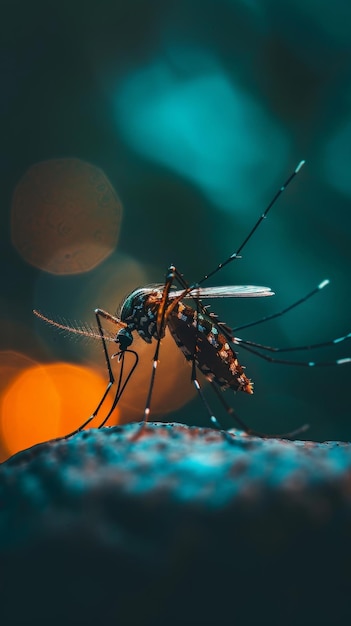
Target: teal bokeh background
197	112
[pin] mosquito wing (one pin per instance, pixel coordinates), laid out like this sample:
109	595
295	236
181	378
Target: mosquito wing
77	328
227	291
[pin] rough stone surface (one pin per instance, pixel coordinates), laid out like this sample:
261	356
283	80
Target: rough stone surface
180	526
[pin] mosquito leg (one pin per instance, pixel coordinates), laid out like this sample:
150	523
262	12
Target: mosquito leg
236	254
314	291
187	288
198	388
98	313
149	395
245	346
194	379
162	316
311	346
152	381
250	431
120	387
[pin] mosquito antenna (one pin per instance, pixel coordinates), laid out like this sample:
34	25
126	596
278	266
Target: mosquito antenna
73	327
236	254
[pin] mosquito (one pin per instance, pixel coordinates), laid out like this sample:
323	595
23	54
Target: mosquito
208	344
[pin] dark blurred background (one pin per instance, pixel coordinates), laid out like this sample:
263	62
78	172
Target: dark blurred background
194	112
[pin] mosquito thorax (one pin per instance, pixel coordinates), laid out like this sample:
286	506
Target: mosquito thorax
139	312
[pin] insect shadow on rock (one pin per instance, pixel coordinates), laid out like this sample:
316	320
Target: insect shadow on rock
206	342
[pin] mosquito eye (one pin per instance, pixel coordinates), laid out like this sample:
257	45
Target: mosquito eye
126	309
124	338
130	304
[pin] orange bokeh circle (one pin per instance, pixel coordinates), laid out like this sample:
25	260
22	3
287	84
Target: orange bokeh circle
65	216
48	401
12	363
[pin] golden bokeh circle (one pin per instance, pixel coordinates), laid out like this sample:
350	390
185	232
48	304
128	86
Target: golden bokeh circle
65	216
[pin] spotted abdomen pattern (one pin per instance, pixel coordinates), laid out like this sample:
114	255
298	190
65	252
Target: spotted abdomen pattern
196	334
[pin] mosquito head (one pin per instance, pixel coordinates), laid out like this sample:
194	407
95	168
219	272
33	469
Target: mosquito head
124	338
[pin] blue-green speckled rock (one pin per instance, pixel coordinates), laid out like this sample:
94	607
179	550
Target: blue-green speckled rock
180	526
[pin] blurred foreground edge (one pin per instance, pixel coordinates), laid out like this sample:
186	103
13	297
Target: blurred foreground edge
182	526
